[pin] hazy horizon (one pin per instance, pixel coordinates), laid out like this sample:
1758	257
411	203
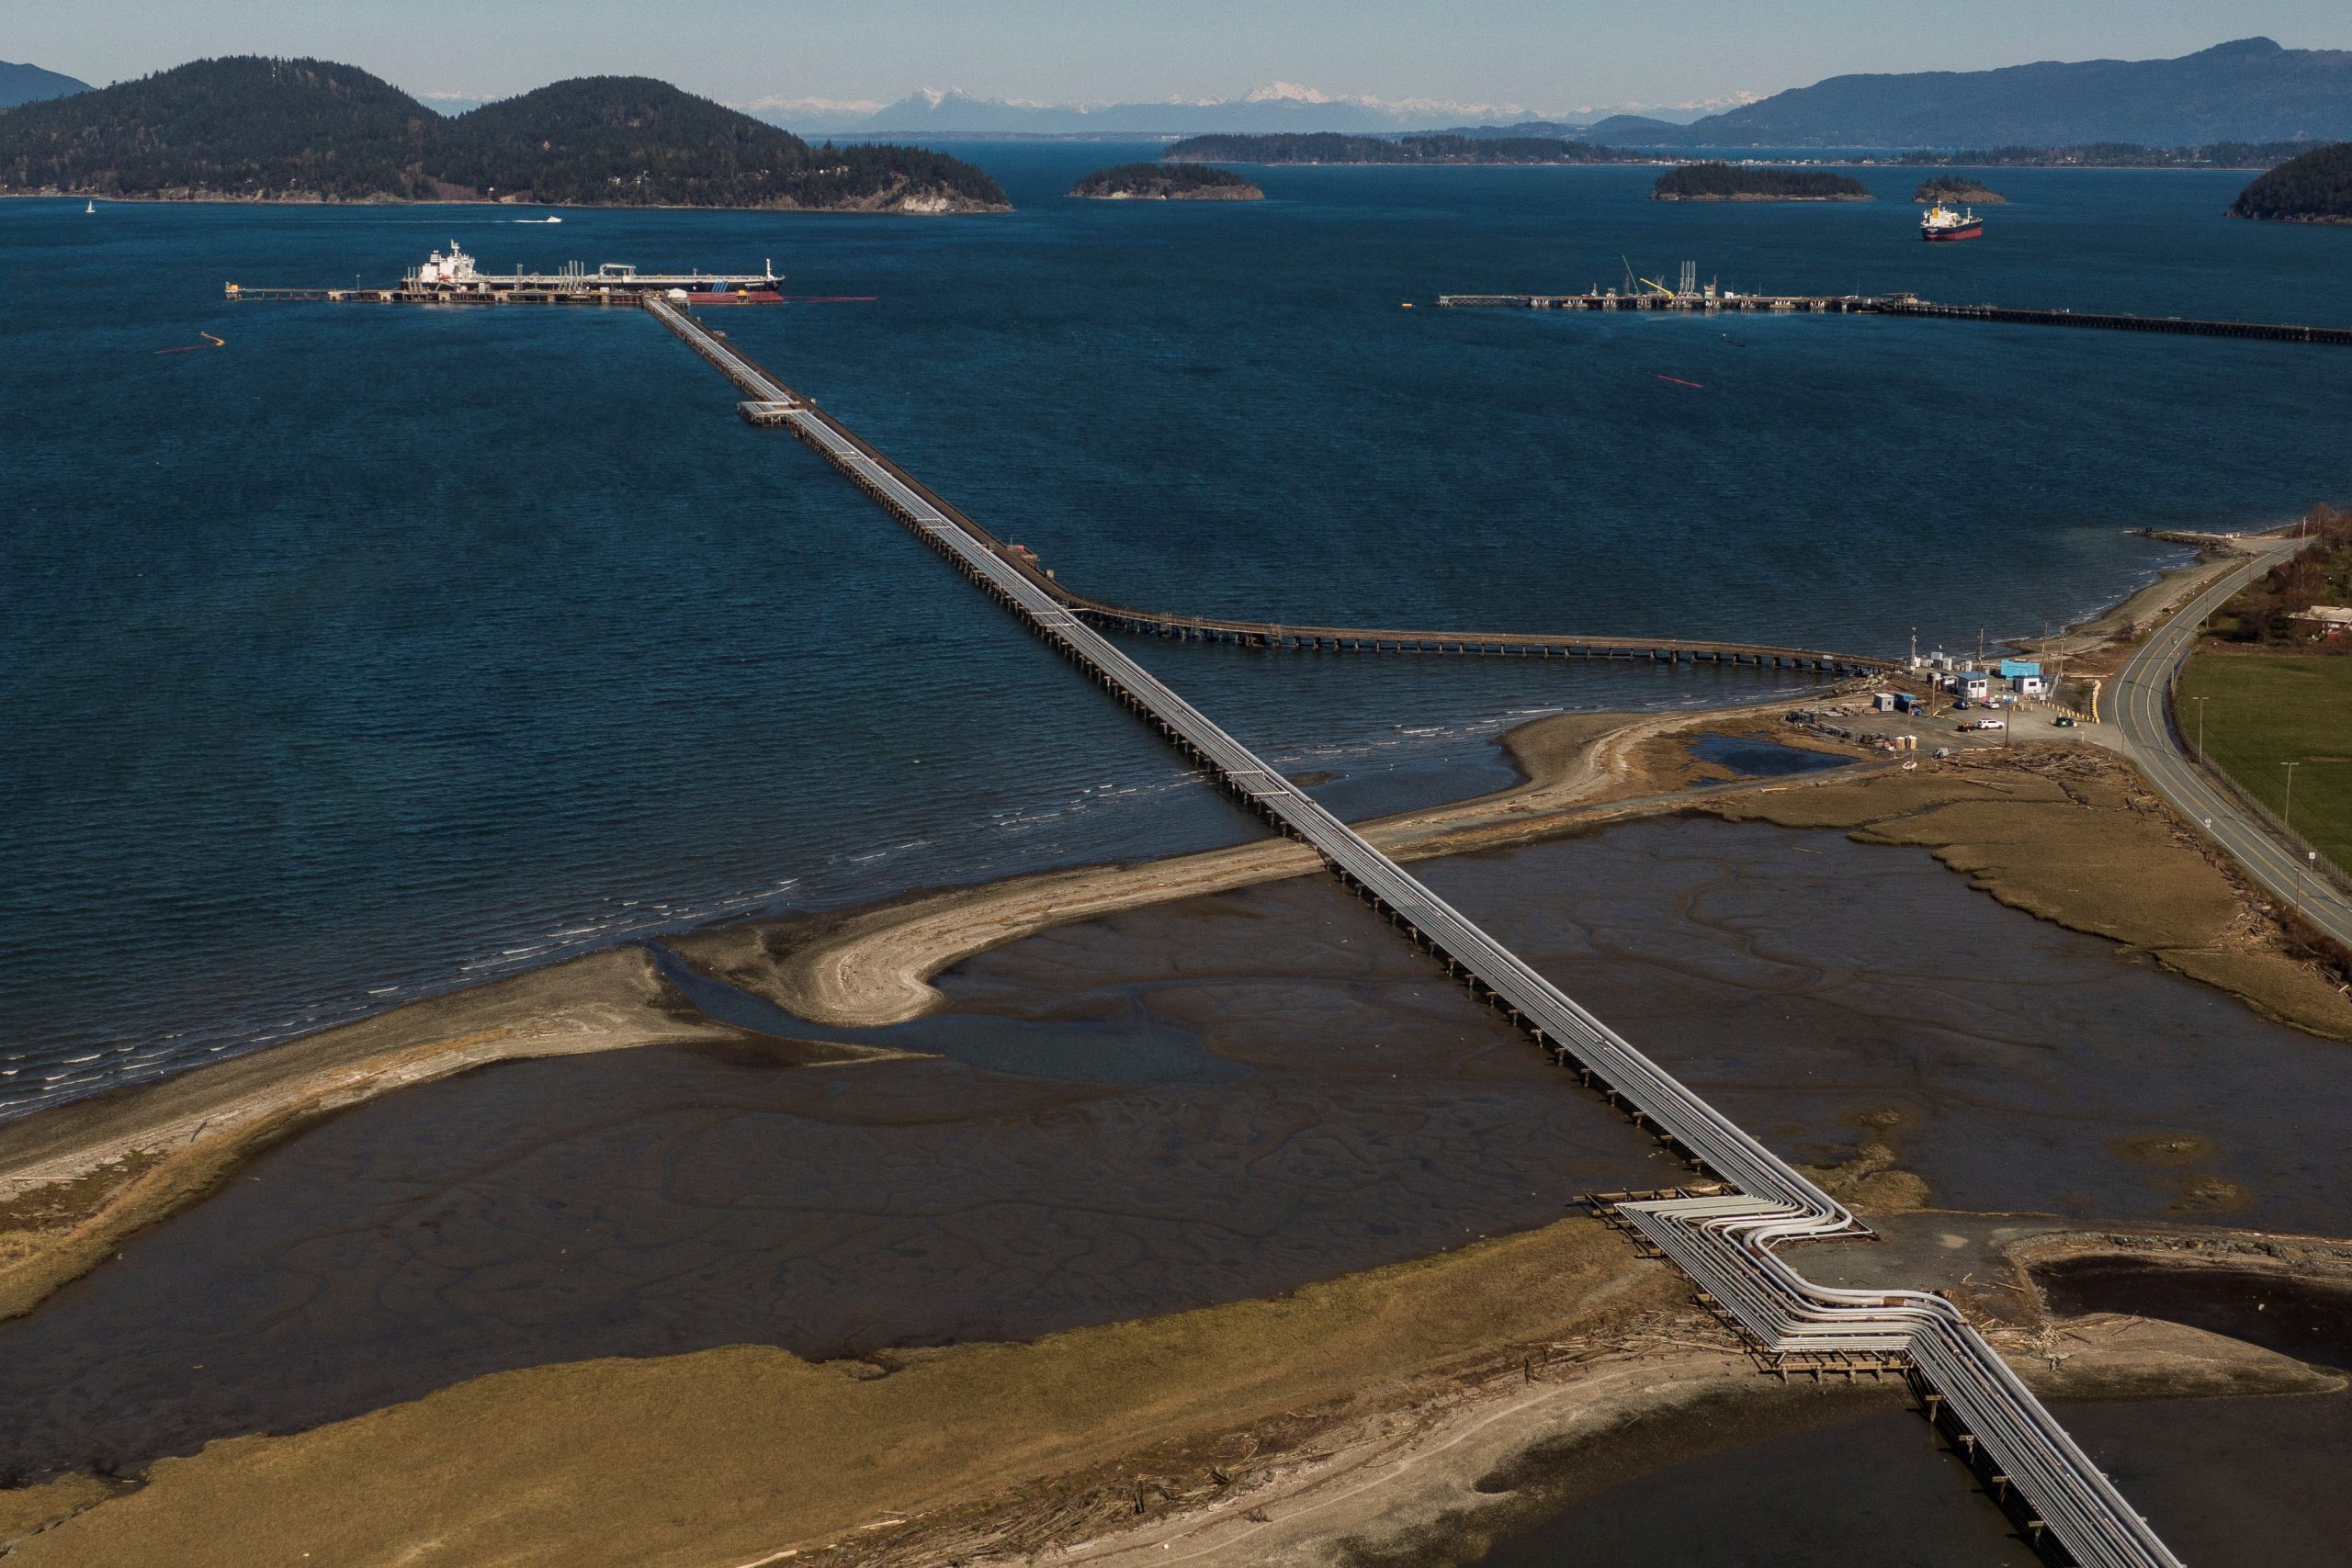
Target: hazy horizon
1518	56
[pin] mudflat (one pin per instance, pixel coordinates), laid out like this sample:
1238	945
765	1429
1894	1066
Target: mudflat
738	1453
79	1179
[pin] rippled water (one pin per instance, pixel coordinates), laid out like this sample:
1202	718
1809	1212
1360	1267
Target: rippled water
1193	1102
2231	1483
1828	994
379	649
1226	1098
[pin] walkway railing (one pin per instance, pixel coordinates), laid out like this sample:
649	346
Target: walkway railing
1726	1242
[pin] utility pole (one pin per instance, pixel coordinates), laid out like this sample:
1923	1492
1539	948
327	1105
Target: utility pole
2291	839
2200	737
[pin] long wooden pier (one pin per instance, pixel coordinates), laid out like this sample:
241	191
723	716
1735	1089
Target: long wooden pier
1726	1237
763	409
1732	304
2108	321
1898	304
1500	645
418	296
582	289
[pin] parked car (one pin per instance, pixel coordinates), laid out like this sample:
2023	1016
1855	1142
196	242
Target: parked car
1959	705
1986	723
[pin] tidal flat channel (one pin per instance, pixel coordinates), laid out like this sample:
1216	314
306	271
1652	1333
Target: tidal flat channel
2231	1482
1828	994
1196	1104
1176	1106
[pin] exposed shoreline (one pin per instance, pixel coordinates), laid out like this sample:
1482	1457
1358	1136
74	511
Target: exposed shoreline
1230	1447
1510	1374
867	967
899	206
77	1178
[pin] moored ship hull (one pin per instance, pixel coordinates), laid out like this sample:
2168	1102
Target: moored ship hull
1941	222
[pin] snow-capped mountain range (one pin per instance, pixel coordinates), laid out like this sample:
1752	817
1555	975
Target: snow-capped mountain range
1275	105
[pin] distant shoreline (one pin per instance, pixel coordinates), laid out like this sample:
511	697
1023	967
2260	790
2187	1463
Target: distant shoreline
1757	195
217	199
128	1156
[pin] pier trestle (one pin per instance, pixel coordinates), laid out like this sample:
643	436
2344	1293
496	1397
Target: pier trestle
1727	1237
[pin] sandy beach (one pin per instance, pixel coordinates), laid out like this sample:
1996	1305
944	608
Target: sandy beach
132	1155
76	1180
2068	833
1233	1433
1246	1433
2065	832
873	966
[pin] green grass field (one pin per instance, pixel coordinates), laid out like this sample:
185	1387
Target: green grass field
2262	710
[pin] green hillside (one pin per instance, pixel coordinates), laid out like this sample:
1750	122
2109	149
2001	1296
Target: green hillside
1733	182
1167	182
2248	90
249	129
2314	189
245	127
631	141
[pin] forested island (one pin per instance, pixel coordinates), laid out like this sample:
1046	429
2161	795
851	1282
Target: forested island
2313	188
1734	182
2112	156
1958	188
248	129
1331	147
1166	181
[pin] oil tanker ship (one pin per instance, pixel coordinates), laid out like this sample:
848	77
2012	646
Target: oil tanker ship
1941	222
455	276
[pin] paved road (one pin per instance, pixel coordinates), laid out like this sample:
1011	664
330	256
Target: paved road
2139	714
1727	1241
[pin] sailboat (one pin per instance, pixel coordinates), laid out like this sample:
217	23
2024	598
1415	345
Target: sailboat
93	206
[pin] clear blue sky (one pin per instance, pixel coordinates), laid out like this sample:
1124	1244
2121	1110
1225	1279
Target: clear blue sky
1546	54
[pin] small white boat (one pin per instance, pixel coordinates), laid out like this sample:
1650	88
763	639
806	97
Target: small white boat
91	207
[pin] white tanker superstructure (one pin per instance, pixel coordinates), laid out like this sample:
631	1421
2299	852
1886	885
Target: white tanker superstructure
457	274
454	270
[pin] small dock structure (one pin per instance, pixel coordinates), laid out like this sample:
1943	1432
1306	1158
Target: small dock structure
1710	303
1713	301
1726	1228
1725	1231
456	280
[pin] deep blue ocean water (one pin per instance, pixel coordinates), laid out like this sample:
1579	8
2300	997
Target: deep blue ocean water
380	649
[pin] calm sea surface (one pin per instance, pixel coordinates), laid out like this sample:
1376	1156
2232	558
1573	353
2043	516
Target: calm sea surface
381	649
